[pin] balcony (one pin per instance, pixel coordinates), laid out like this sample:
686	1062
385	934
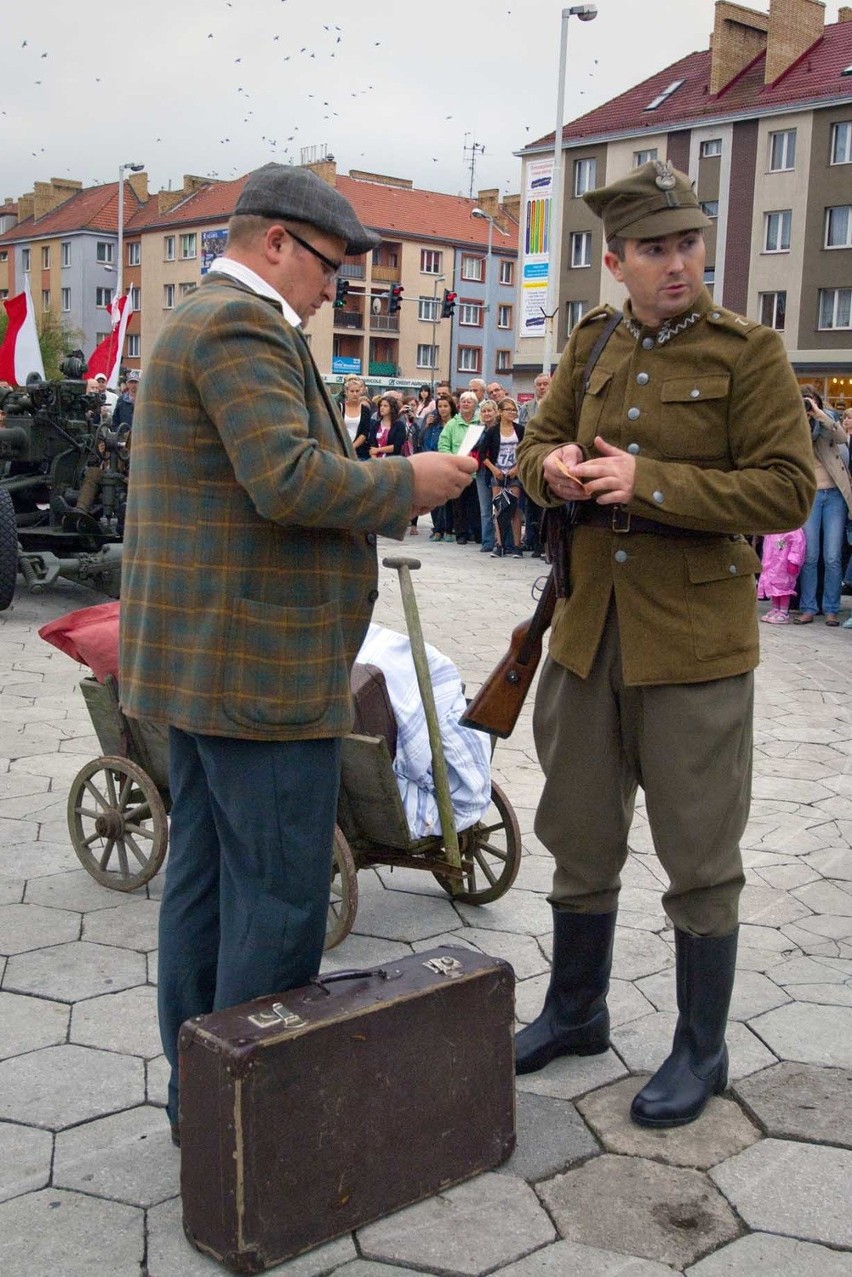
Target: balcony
386	274
348	319
352	270
384	323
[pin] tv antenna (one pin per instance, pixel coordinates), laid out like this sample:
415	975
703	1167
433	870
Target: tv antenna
475	148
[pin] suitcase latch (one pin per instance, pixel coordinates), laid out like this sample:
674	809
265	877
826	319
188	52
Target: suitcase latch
450	967
278	1017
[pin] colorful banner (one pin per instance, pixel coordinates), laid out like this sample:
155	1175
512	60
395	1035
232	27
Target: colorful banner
212	246
536	247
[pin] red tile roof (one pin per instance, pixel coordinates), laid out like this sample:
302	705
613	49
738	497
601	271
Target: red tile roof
95	208
211	203
814	78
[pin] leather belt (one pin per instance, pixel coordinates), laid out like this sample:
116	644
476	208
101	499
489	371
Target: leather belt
614	518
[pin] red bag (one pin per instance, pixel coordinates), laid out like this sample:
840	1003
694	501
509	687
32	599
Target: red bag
89	636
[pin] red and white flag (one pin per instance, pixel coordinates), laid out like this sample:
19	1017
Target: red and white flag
20	353
106	357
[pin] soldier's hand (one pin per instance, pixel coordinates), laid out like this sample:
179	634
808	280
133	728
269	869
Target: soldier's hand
610	477
555	470
439	477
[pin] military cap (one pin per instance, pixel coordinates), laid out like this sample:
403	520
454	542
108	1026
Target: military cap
655	199
296	194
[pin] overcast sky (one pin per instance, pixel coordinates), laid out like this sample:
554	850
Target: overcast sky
399	88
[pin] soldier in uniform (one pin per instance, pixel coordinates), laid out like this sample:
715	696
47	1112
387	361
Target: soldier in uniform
690	434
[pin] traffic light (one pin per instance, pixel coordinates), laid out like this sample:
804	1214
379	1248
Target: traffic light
448	306
342	290
395	298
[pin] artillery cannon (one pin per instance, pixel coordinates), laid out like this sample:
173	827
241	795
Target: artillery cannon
51	436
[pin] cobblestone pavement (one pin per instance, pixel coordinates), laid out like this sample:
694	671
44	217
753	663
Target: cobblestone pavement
760	1184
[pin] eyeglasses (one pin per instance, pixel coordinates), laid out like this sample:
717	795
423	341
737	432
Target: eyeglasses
331	268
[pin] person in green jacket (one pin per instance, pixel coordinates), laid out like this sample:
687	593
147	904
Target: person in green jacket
466	520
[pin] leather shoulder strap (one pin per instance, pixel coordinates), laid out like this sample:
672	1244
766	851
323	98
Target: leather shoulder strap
597	350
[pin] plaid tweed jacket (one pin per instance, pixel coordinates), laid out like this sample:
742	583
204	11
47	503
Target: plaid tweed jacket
249	566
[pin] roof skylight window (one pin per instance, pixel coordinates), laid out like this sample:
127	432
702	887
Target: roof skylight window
664	96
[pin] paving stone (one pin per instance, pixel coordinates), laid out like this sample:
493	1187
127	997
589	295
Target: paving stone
826	898
569	1259
366	1268
125	1022
800	1189
151	966
643	1045
551	1137
669	1214
26	1024
132	926
786	877
570	1076
363	951
761	1253
78	890
396	915
157	1074
68	972
799	971
14	832
127	1157
807	1033
523	953
753	994
764	907
721	1131
626	1002
638	953
53	1232
12	890
25	1155
487	1222
60	1086
837	995
26	927
171	1255
833	863
37	859
801	1102
524	912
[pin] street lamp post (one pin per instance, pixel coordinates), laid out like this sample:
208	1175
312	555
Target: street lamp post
119	278
585	12
488	371
439	279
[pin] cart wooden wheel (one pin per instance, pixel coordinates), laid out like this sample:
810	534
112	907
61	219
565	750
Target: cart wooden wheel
117	823
343	902
490	854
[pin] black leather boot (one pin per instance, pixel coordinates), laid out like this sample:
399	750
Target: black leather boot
698	1065
574	1019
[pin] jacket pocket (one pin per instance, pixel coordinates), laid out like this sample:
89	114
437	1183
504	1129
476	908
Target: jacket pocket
693	417
284	666
593	404
721	597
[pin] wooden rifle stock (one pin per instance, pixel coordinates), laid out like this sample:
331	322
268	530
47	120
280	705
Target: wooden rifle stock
497	704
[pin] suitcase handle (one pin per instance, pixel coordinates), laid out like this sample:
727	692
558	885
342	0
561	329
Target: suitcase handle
353	974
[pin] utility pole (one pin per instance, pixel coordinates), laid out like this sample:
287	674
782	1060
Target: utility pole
439	279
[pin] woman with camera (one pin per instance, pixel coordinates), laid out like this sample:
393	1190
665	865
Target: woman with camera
827	519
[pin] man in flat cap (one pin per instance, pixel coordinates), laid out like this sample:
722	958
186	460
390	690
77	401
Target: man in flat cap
675	428
249	577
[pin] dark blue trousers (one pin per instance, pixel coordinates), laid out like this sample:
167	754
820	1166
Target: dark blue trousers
248	874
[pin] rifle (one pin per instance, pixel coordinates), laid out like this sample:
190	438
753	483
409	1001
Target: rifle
497	704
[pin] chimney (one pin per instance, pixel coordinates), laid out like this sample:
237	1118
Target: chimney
167	199
739	36
47	196
138	183
794	25
489	201
512	207
326	169
844	14
26	206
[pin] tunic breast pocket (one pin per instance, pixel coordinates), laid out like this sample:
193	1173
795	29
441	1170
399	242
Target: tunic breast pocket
593	404
693	417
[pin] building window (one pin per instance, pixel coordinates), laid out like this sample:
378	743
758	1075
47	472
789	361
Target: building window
473	268
66	300
504	360
186	289
782	151
187	246
99	337
773	310
136	298
507	272
776	231
134	346
713	146
710	280
45	257
469	358
66	253
4	255
45	299
838	226
835	308
25	259
585	176
103	252
710	208
470	315
581	248
430	262
134	253
168	296
841	143
665	95
644	157
428	308
427	356
103	296
168	248
504	316
575	312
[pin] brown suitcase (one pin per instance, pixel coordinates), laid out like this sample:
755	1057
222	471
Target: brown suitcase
307	1115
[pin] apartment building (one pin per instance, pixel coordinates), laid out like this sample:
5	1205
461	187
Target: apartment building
762	123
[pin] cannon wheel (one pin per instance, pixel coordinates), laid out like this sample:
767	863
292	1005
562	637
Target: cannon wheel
490	854
343	902
117	823
8	550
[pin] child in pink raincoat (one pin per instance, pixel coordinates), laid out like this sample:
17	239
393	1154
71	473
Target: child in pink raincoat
783	556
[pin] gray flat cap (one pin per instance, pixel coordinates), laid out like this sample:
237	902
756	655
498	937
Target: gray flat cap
297	194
